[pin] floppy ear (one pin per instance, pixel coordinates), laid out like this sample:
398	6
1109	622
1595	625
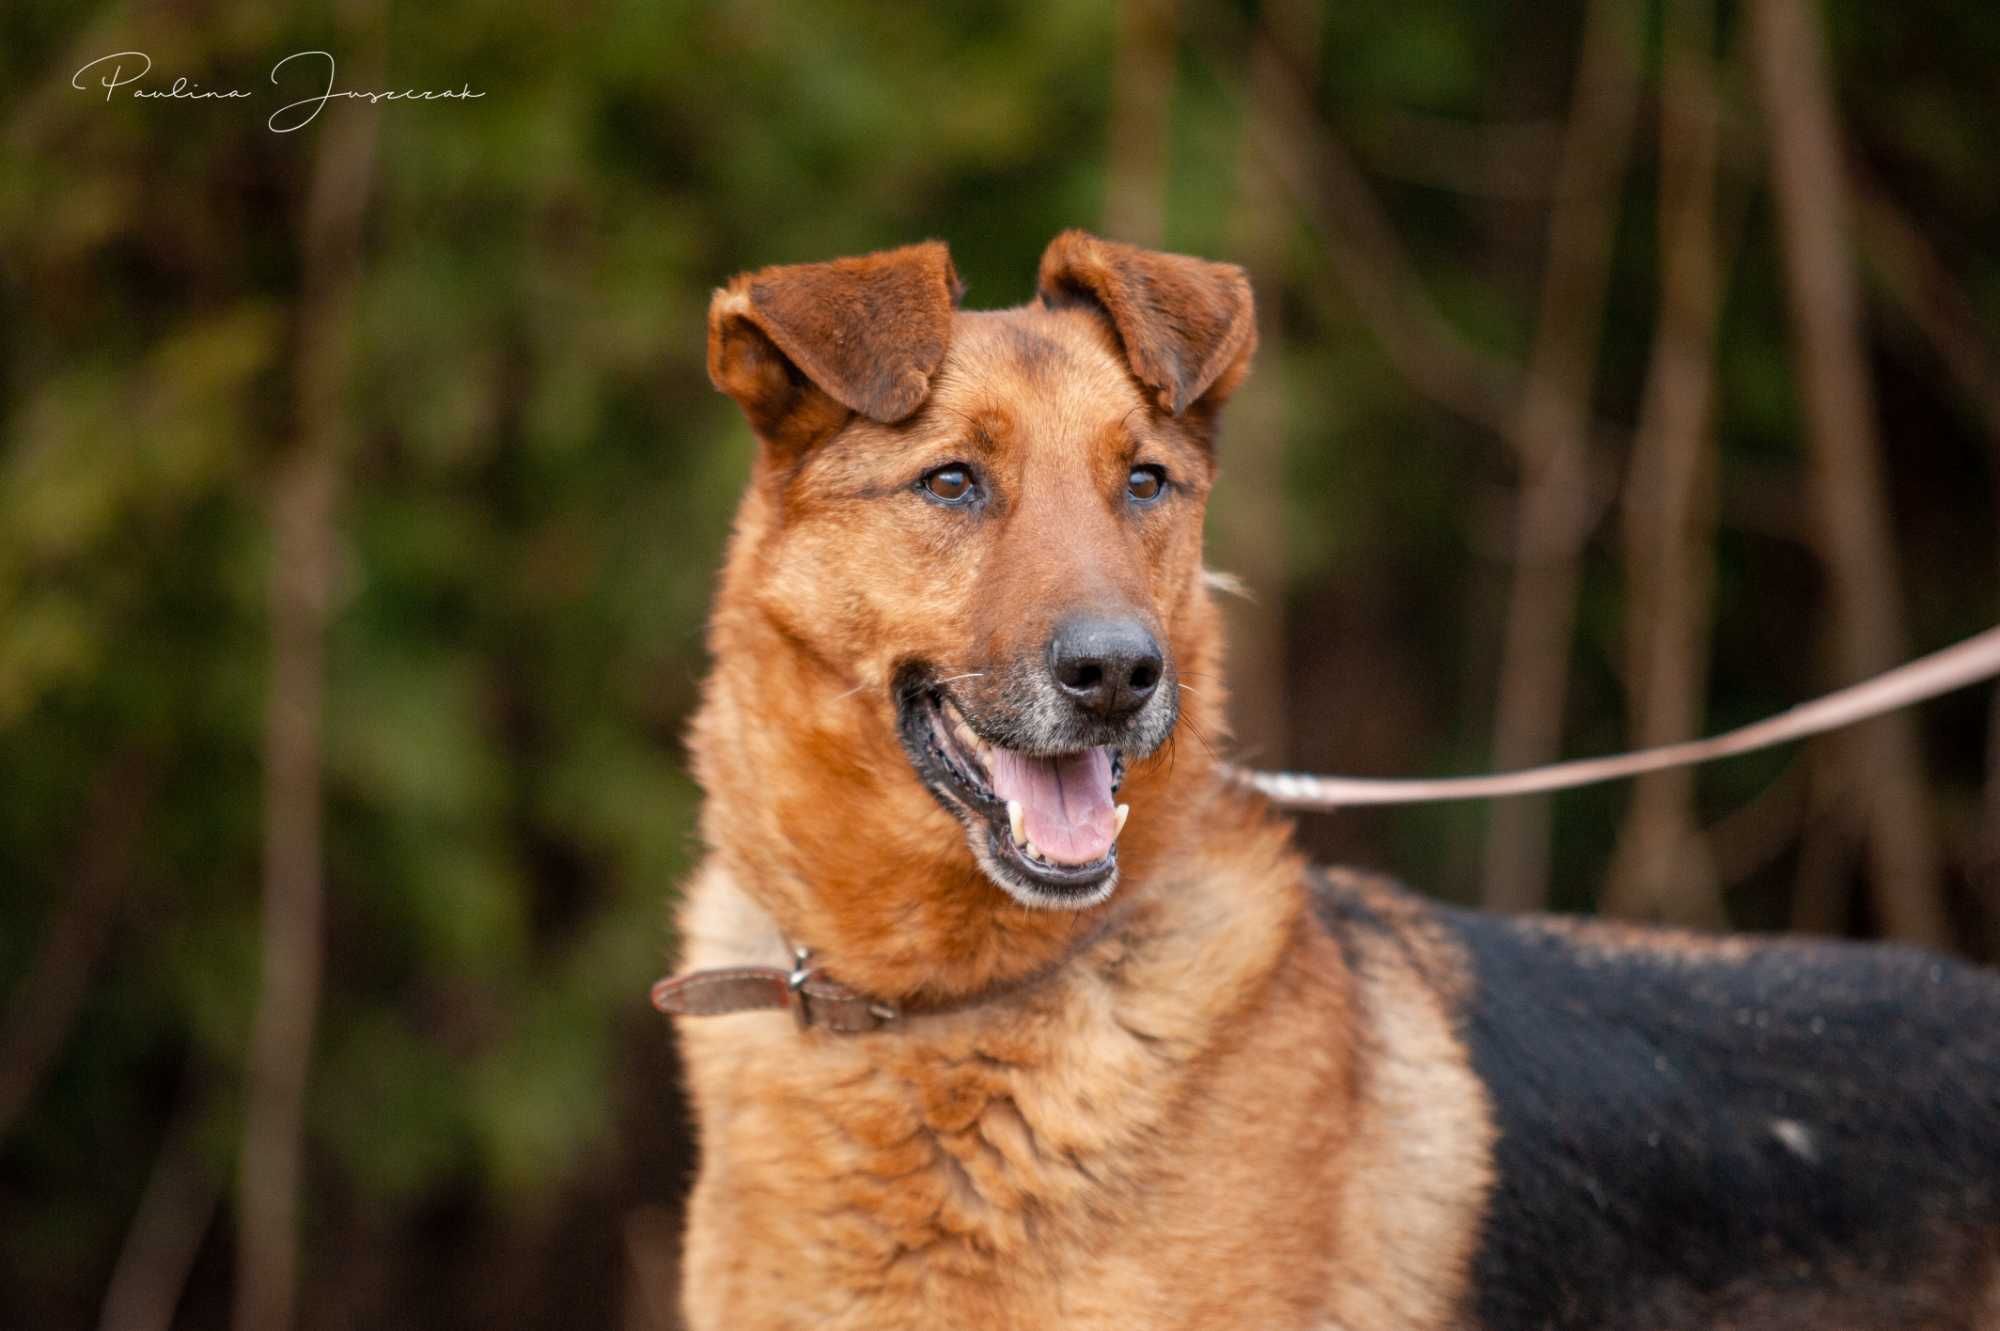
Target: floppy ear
1188	325
799	346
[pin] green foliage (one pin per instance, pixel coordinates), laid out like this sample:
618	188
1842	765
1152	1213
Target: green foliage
538	481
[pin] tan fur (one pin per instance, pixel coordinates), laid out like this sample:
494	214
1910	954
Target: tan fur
1422	1161
1164	1136
1210	1116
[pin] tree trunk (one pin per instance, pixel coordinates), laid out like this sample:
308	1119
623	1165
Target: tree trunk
1662	869
1885	781
1551	439
302	572
1248	514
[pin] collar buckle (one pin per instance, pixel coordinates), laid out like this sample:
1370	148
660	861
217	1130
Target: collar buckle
795	986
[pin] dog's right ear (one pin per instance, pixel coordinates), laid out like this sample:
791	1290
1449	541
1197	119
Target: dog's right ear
800	346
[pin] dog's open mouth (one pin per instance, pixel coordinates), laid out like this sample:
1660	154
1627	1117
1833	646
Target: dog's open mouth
1049	822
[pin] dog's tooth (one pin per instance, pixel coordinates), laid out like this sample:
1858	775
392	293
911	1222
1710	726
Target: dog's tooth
1015	819
1028	849
1124	812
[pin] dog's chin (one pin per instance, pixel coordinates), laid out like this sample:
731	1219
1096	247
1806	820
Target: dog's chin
958	766
1039	884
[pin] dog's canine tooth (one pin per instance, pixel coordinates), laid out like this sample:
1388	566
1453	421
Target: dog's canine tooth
1124	812
1014	822
1028	849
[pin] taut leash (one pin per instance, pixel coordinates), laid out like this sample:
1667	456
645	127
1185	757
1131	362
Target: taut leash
1971	661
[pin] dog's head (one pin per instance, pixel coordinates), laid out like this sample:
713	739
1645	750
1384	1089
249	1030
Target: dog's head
984	528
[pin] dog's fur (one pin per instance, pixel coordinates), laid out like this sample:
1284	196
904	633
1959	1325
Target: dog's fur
1253	1095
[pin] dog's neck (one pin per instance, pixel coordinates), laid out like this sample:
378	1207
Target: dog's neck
1215	917
963	1169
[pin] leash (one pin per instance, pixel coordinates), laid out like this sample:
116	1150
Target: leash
1970	662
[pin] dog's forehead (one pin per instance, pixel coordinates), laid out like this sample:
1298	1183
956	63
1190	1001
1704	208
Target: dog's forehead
1029	358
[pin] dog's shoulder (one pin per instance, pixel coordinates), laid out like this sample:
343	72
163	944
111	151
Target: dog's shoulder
1688	1122
1376	922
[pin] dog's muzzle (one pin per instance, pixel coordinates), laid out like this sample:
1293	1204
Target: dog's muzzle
1034	765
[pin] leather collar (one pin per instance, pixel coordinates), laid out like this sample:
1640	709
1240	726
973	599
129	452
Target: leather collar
817	999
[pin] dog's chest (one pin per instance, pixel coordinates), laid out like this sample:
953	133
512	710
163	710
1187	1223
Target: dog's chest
971	1182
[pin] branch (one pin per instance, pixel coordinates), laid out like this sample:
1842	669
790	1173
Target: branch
1370	265
1915	278
1750	837
1854	535
173	1218
40	1016
1367	257
1910	271
1826	850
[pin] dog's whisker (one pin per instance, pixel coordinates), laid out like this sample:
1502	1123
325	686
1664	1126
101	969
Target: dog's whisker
910	689
1195	730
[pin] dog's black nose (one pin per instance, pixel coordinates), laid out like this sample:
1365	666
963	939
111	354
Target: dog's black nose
1108	667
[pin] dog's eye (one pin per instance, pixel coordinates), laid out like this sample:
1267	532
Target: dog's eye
1146	484
949	484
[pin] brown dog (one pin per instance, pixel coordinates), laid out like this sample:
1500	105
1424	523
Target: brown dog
1055	1068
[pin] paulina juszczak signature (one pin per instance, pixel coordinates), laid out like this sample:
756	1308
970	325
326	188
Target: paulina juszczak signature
126	68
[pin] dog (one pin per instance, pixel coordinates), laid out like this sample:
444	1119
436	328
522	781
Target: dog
1077	1038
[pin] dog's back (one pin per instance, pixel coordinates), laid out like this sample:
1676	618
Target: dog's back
1720	1132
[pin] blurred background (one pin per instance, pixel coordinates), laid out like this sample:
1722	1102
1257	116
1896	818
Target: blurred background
1630	370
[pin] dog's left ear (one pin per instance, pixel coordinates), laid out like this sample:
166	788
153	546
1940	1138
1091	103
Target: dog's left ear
1189	326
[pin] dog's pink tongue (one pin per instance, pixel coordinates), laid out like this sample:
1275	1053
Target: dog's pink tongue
1065	802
